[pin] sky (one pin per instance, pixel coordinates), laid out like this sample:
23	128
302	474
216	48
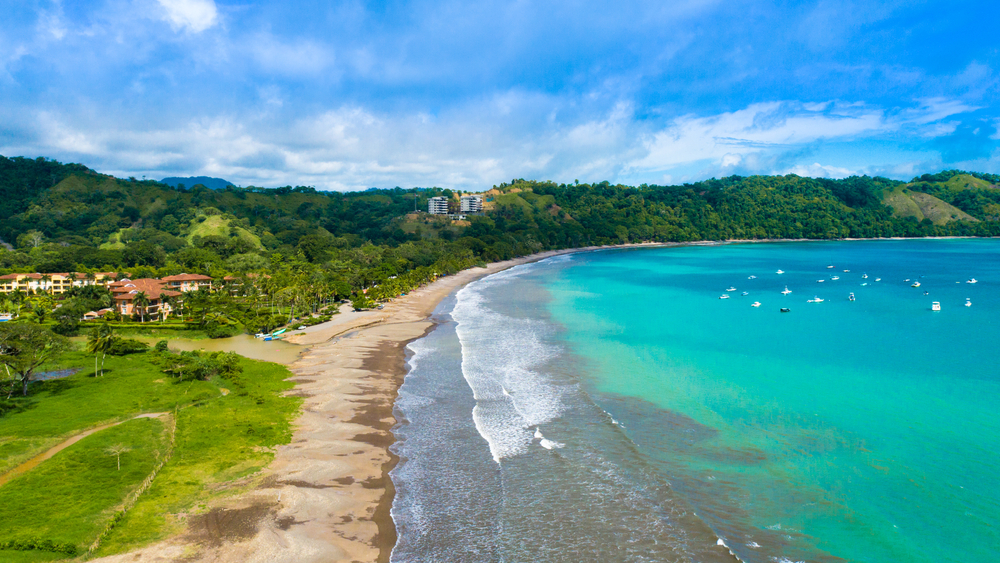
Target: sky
347	95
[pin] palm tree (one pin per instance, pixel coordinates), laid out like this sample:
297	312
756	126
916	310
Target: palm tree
91	278
141	301
165	301
99	342
45	281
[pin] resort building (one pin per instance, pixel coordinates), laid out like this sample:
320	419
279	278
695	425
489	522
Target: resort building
52	283
472	204
156	292
437	205
187	282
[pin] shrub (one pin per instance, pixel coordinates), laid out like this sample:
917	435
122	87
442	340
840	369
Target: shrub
125	346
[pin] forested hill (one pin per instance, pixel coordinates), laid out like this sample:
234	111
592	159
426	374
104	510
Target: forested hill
66	217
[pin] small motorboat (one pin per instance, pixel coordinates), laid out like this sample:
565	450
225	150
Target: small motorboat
830	267
847	271
779	272
724	296
972	280
835	278
864	276
936	306
731	288
864	284
850	297
752	278
815	300
915	284
878	279
927	293
757	304
820	281
968	302
746	293
785	309
786	291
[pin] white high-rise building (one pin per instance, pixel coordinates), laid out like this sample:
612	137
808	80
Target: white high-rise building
437	205
472	204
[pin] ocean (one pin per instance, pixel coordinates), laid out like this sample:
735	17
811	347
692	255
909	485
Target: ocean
609	406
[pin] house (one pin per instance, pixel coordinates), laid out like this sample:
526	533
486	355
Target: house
52	283
157	294
187	282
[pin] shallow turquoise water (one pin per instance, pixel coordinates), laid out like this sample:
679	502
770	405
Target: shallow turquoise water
862	430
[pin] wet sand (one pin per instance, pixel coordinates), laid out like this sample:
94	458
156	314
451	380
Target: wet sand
327	495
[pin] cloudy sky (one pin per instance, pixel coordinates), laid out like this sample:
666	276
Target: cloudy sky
351	94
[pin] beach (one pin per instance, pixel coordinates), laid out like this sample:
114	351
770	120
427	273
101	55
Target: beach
327	495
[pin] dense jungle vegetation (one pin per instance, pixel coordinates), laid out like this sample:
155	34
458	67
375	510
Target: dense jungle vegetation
372	246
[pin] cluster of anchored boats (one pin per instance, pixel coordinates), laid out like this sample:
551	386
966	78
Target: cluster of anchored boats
935	305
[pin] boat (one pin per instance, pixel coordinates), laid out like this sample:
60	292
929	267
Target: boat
864	284
731	288
815	300
878	279
915	284
835	278
752	278
936	306
746	293
830	267
847	271
785	309
820	281
724	296
780	272
850	297
972	280
968	302
864	276
786	291
755	304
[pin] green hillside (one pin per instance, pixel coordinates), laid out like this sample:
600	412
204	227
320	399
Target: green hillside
919	205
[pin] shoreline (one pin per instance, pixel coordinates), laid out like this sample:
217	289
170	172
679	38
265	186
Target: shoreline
327	495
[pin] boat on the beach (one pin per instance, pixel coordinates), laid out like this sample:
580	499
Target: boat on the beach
972	280
850	297
786	291
755	304
935	306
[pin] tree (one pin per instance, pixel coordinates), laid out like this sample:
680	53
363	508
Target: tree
141	302
26	346
117	450
101	340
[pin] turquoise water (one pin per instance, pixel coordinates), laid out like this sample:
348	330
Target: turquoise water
861	430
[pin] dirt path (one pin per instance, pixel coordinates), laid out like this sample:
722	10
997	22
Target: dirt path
35	461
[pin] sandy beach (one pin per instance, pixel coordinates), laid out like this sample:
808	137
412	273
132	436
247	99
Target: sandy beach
327	495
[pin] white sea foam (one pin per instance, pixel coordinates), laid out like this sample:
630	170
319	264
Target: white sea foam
499	357
549	444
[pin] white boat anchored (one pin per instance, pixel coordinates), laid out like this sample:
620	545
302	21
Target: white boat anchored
786	291
847	271
850	297
878	279
815	300
779	272
968	302
724	296
731	288
972	280
820	281
755	304
915	284
935	306
752	277
835	278
864	276
830	267
746	293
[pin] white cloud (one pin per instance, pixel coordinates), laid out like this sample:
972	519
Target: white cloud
193	15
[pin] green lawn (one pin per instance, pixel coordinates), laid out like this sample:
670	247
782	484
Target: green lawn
226	429
70	498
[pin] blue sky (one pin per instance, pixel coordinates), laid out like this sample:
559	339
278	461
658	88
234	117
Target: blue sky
349	95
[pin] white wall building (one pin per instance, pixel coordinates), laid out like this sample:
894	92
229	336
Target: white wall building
472	204
437	205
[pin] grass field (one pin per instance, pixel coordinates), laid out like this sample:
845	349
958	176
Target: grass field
225	430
